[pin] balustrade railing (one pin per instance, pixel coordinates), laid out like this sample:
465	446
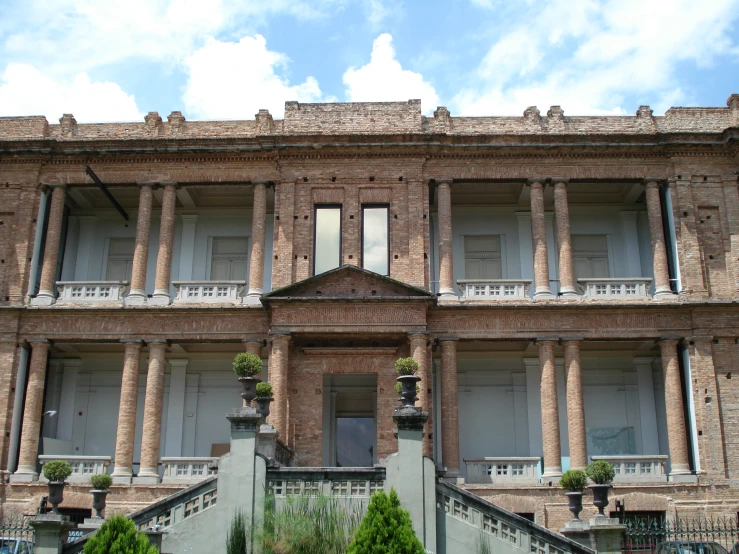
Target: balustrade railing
83	467
503	471
604	288
637	469
494	289
208	291
188	470
341	482
90	292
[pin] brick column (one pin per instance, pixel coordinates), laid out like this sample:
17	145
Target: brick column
152	429
419	352
539	238
166	240
137	296
549	411
256	260
449	411
32	412
124	440
446	266
659	250
46	295
278	377
676	429
567	285
575	406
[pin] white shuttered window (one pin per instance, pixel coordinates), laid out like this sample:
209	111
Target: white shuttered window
229	259
590	256
482	259
120	259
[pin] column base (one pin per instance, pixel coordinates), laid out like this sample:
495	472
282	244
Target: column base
568	293
122	476
661	294
147	477
682	478
43	298
447	294
24	474
253	297
543	293
160	298
553	474
135	298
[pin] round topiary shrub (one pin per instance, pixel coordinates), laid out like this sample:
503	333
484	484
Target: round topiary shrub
57	471
247	365
119	534
264	390
101	482
574	480
600	472
406	366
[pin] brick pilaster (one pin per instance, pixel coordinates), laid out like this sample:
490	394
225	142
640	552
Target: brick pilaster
539	238
278	376
419	353
657	236
166	242
152	429
32	411
549	411
446	266
567	285
256	261
676	429
449	410
124	440
141	249
575	407
46	294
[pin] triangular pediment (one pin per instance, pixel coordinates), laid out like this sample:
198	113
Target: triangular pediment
349	282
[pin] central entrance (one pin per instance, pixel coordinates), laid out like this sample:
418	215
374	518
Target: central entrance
350	420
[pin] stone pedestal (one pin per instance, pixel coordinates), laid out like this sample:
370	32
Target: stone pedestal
602	534
51	532
267	441
91	524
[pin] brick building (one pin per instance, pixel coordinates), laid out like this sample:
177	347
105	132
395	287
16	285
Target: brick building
568	286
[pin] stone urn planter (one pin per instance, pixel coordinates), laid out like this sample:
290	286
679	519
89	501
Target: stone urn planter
56	471
575	499
600	497
100	492
264	398
249	385
601	473
408	389
56	495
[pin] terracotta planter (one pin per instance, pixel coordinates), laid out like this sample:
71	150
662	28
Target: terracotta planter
98	501
408	390
263	405
250	388
600	497
575	499
56	495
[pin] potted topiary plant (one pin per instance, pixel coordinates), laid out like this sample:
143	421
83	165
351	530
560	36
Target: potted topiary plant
100	485
56	471
246	366
264	397
574	482
601	473
406	369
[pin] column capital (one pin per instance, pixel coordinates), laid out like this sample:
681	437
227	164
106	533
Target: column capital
536	182
258	341
166	184
280	335
150	184
140	342
447	339
164	343
444	181
669	339
565	340
543	341
417	334
38	342
560	182
653	182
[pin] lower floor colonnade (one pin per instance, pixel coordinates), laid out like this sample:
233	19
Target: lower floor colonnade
500	410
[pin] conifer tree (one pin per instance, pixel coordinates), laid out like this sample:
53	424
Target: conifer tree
118	535
385	529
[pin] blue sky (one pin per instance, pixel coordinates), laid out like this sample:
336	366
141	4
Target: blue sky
104	60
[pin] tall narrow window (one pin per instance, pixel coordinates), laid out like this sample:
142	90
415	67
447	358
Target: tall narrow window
375	239
120	259
229	258
327	243
590	256
482	258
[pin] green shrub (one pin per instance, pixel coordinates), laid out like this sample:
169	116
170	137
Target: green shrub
386	524
247	365
101	482
406	366
236	540
57	471
264	390
574	480
600	472
118	535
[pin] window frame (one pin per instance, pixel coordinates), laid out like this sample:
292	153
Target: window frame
361	246
317	207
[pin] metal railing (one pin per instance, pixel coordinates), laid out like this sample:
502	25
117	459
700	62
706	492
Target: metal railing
15	530
644	535
503	471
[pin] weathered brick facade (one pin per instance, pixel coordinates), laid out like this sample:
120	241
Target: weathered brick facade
678	172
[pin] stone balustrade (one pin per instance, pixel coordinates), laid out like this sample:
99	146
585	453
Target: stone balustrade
197	292
83	467
90	292
503	471
494	289
637	469
188	470
625	288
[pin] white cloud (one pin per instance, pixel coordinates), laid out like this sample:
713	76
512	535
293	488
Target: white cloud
383	79
233	80
24	90
595	56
